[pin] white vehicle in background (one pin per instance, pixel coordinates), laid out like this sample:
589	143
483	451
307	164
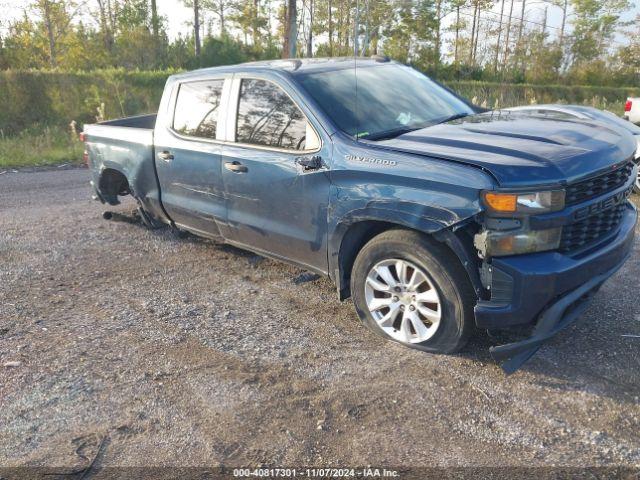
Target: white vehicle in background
632	109
591	114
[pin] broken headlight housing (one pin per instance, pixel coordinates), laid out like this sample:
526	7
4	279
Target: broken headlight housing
493	243
507	230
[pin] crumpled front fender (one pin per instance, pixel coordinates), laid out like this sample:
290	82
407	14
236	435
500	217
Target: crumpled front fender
351	226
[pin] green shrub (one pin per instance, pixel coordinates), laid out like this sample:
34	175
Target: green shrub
48	98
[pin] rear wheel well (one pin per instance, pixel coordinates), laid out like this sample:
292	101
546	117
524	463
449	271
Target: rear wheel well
113	183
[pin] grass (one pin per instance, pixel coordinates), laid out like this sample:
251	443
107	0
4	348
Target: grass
48	146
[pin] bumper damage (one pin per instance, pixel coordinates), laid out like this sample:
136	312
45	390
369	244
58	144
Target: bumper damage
551	290
557	317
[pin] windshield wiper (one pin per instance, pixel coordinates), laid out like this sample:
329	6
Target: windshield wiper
388	134
396	132
451	118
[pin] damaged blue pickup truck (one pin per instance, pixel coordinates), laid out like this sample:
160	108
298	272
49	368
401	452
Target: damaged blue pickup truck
435	216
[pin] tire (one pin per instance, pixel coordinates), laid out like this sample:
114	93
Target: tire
636	185
445	281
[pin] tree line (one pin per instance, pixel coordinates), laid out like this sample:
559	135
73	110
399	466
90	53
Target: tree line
491	40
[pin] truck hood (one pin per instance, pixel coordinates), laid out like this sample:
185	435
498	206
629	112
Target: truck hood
520	150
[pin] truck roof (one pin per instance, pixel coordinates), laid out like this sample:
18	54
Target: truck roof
293	65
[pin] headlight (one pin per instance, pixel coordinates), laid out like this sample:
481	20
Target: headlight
499	244
536	202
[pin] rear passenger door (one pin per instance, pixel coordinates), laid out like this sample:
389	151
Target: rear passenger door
274	204
188	158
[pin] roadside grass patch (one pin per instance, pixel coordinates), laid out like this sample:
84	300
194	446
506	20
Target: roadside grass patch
39	147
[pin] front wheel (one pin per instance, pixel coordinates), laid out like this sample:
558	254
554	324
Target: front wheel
413	290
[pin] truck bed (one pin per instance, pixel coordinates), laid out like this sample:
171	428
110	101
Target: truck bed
137	129
123	147
138	121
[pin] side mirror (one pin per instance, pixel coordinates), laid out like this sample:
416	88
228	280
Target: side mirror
307	163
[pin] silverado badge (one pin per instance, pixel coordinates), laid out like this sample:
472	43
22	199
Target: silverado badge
376	161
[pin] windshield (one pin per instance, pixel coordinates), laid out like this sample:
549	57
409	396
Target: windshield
391	98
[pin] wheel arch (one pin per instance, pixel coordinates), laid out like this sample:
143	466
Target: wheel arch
353	232
111	183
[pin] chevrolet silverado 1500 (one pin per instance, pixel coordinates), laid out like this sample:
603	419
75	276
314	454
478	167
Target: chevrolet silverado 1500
435	217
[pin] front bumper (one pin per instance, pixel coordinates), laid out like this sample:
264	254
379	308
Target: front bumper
538	278
556	317
553	289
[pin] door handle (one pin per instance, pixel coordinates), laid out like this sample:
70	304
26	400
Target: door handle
307	163
235	167
166	156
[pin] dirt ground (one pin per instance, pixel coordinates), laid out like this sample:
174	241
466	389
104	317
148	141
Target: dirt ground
169	351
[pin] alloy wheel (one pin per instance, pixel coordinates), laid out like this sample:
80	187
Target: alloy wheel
403	300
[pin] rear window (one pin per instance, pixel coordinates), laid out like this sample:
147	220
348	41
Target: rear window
197	107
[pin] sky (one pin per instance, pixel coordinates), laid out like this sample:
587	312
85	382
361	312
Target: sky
178	17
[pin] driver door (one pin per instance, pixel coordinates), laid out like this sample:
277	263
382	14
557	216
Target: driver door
275	205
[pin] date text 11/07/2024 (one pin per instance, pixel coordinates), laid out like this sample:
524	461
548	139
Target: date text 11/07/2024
368	472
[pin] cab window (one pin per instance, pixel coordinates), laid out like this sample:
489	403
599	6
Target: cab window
197	108
267	116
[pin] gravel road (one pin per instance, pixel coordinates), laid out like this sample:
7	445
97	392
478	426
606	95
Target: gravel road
175	351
